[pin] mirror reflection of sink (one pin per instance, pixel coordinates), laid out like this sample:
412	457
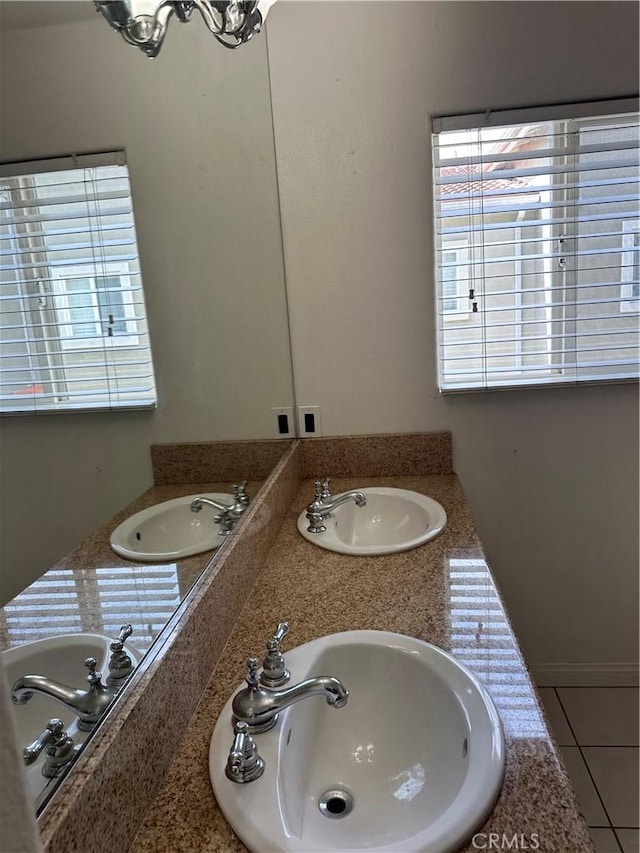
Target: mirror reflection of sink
393	520
413	762
61	659
170	530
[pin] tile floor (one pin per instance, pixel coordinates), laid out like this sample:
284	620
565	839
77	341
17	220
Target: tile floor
596	729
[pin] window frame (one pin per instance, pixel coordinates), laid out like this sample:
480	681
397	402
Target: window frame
495	370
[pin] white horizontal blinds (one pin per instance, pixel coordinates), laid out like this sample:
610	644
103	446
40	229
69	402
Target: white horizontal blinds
66	601
547	213
73	329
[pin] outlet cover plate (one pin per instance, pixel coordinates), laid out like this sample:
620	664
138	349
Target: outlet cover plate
309	423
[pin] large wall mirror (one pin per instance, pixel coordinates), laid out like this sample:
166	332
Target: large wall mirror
196	126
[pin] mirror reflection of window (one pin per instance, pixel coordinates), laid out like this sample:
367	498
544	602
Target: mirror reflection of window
74	332
65	601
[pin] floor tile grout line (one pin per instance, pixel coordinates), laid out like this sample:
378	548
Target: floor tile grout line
604	808
598	746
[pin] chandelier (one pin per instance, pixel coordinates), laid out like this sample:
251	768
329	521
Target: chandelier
143	23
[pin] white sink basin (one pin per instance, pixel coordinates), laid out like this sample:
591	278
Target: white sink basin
170	530
418	747
61	659
393	520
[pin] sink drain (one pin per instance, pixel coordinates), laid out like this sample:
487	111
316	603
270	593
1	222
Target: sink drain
336	804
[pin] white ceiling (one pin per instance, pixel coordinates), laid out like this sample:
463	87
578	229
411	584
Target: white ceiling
22	14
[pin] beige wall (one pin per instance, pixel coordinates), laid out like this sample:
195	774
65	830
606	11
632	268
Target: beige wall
196	125
551	474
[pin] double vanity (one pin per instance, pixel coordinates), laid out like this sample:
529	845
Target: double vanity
442	741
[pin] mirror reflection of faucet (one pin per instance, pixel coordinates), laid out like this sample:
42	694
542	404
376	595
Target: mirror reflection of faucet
88	705
60	749
230	514
256	707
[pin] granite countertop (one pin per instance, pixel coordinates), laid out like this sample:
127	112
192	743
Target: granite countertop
443	593
93	589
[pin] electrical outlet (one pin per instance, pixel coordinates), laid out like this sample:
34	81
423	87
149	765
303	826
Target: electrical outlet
283	422
309	424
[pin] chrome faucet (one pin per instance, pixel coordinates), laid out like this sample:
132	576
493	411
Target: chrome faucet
320	509
243	764
61	749
88	705
259	706
230	514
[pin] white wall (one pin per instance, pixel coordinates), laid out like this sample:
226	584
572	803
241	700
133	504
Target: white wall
551	474
196	125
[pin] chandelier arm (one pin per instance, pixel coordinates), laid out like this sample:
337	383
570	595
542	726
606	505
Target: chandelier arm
183	10
224	43
143	23
209	17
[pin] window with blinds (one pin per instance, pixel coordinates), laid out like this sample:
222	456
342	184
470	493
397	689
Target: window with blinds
537	246
73	328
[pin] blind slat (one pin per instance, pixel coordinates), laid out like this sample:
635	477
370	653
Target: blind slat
64	232
8	371
544	256
67	216
554	221
86	200
97	260
539	154
62	338
478	204
538	171
49	280
69	247
530	338
527	354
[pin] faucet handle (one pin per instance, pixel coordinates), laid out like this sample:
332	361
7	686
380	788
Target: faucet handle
120	663
55	727
252	678
94	678
243	764
280	633
274	672
125	632
240	494
325	494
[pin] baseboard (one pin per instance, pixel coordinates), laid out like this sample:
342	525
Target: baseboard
585	674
